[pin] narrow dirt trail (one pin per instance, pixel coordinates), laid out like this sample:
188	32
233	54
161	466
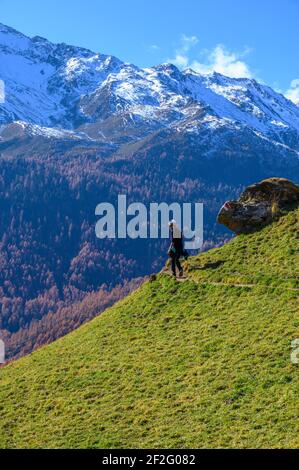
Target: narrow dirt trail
211	283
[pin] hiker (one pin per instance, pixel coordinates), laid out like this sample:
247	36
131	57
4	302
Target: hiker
176	249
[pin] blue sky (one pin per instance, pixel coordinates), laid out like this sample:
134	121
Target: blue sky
257	38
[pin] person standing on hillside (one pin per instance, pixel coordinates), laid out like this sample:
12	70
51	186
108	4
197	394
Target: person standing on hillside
176	249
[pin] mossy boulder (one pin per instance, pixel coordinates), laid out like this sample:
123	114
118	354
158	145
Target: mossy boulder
259	205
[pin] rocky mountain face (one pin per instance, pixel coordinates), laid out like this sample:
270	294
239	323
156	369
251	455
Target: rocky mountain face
78	128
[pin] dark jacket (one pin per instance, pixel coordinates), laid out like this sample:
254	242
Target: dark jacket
177	245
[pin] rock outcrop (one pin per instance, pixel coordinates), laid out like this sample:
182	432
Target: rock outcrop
259	204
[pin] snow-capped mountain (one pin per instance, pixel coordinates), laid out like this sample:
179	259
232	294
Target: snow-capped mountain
87	95
43	81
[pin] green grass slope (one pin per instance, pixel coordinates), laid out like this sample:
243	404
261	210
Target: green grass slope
200	363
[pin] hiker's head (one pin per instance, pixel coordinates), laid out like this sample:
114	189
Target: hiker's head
172	224
174	228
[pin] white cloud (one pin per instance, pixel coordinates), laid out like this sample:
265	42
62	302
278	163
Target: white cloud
222	61
180	61
154	47
218	59
187	42
181	58
293	92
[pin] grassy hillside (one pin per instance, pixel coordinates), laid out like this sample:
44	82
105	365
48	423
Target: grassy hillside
200	363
